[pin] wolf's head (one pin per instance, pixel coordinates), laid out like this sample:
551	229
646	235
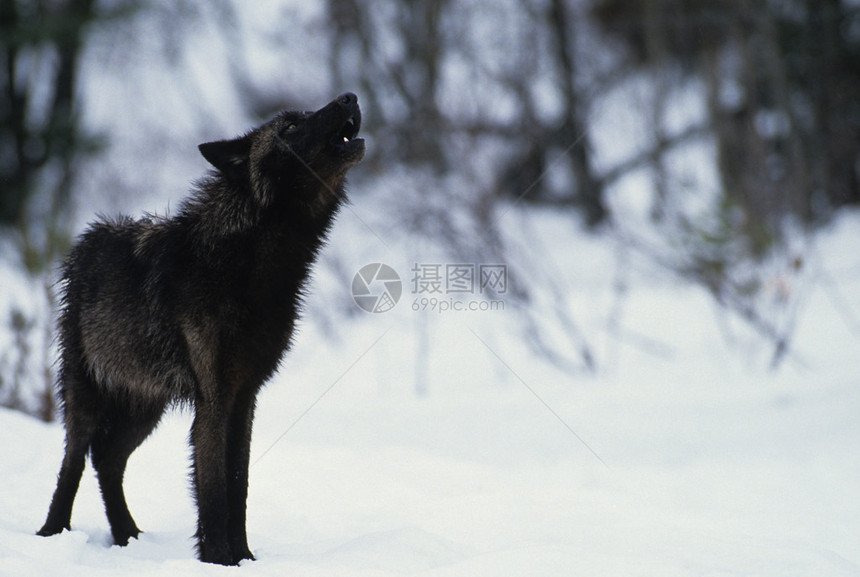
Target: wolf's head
297	156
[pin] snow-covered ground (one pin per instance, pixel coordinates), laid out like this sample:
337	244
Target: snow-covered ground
682	457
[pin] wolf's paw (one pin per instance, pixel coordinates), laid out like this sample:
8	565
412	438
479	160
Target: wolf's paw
121	538
49	530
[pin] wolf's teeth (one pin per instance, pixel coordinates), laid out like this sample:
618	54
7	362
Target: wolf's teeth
345	139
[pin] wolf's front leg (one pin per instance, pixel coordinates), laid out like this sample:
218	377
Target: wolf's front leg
238	458
209	442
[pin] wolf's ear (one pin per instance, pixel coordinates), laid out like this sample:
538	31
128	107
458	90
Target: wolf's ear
228	156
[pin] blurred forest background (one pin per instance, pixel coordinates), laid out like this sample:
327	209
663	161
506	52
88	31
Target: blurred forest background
741	123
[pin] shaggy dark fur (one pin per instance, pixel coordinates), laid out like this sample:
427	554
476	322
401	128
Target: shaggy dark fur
199	309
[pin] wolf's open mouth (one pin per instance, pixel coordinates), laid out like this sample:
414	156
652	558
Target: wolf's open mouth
349	130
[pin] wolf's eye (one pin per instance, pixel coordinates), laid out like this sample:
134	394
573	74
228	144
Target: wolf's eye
291	127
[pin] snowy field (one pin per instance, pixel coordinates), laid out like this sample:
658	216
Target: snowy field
683	457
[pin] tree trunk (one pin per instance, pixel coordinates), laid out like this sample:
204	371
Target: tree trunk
573	135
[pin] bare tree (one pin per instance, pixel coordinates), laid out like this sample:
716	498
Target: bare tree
776	77
41	143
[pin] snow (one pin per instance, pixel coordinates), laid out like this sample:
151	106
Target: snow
708	464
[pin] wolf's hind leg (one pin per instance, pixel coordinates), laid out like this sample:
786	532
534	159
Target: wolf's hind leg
120	432
81	415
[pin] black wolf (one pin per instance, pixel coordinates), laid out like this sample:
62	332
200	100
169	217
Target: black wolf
198	309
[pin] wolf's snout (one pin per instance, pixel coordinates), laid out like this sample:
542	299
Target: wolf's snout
347	103
347	98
